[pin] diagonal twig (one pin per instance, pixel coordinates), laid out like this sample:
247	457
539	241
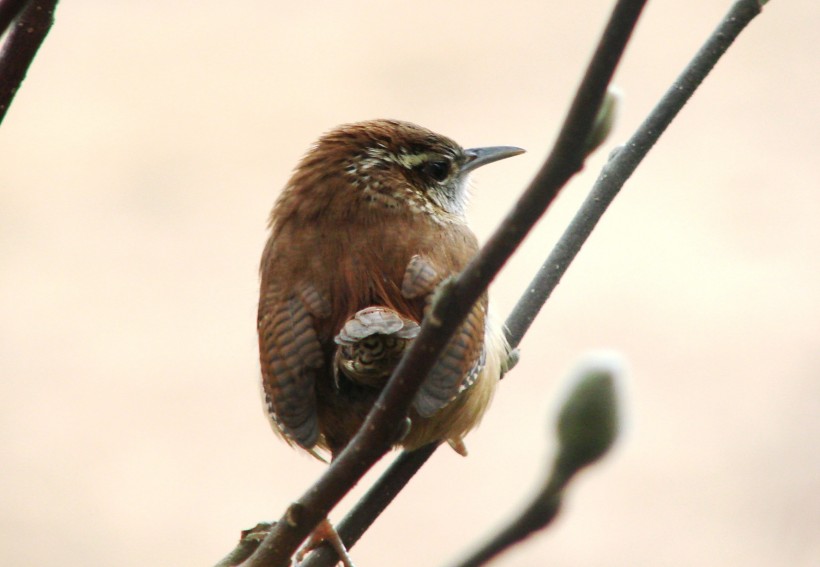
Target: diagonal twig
9	9
21	44
623	163
373	503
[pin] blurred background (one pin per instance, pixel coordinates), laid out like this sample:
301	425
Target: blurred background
138	165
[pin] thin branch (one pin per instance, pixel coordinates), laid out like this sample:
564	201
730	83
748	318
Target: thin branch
249	540
623	163
373	503
8	11
21	45
587	427
612	178
383	423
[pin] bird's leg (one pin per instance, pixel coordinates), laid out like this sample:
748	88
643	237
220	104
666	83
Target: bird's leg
325	533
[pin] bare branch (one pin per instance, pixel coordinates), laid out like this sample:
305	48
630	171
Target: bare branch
21	45
373	503
8	11
249	540
623	163
382	425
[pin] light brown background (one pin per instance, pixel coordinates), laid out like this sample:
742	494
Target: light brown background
137	168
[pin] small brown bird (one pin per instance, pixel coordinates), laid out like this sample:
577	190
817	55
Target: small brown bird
370	223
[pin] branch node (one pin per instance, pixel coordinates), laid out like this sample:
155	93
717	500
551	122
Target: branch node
294	514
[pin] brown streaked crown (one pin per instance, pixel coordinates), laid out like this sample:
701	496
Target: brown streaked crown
381	166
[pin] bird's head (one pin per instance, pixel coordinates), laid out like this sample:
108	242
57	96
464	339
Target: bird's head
391	166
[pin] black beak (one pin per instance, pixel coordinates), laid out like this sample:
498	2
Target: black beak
476	157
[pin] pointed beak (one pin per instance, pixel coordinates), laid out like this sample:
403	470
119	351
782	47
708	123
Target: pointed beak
476	157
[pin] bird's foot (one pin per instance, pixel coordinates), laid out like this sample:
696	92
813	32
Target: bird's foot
325	533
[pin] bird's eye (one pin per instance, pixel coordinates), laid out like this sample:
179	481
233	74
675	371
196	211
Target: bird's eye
438	170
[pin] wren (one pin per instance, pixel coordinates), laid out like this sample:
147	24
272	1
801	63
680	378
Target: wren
371	222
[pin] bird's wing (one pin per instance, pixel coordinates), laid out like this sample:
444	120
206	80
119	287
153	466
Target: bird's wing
291	356
462	360
420	278
458	367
